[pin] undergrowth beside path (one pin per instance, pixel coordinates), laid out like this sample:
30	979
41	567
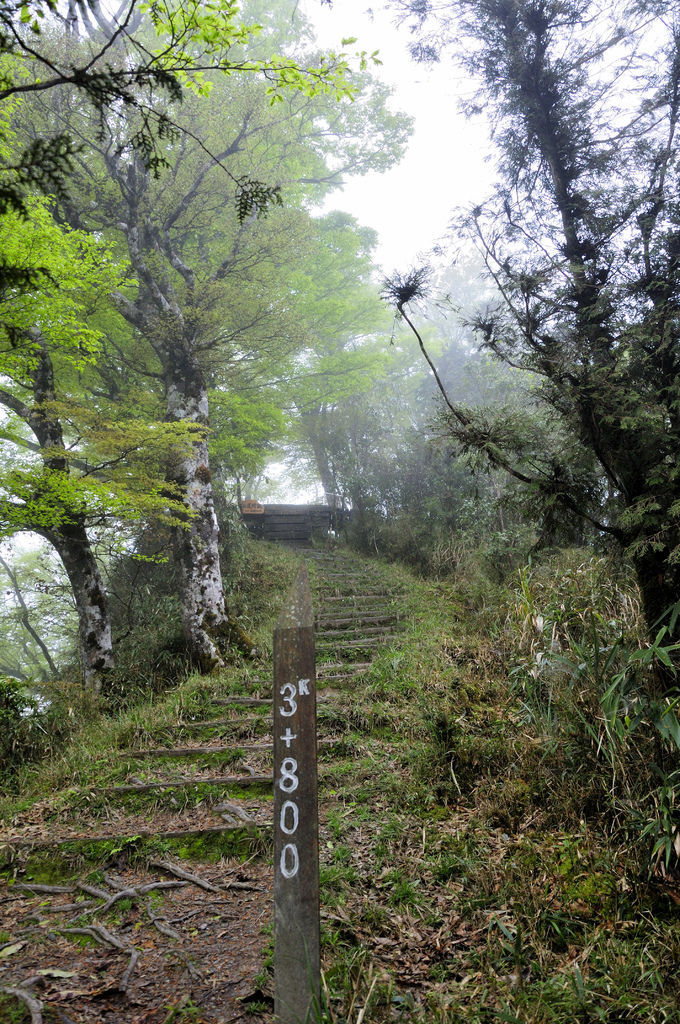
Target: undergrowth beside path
485	831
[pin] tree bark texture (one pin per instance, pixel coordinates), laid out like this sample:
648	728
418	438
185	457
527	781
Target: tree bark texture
94	626
204	616
163	312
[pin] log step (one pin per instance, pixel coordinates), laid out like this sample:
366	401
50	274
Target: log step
357	620
374	631
233	748
345	675
248	702
17	842
220	780
254	702
368	642
215	722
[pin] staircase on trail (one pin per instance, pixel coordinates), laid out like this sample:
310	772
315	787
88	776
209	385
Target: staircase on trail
125	943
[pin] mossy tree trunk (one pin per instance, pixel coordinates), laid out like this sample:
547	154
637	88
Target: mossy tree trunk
204	615
58	517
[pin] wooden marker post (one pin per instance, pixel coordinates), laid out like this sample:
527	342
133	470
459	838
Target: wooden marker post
296	816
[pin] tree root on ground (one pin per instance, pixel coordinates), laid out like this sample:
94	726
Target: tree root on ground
33	1005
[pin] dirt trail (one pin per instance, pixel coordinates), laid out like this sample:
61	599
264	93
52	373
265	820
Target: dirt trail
97	927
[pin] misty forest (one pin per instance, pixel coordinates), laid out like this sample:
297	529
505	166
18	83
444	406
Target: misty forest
209	375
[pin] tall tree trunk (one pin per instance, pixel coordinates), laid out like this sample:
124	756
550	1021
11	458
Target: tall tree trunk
94	626
69	537
659	581
25	617
204	615
314	425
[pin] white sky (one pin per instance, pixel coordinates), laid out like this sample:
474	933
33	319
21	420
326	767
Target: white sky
444	166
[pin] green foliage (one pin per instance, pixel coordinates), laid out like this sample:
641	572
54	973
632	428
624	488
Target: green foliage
101	462
18	723
35	722
151	655
72	269
588	673
143	53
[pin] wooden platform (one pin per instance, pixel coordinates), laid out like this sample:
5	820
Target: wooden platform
291	523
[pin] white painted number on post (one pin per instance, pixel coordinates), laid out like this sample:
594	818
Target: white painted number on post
289	828
289	852
289	816
288	693
289	780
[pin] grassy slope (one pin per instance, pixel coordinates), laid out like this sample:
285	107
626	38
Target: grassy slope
476	868
473	866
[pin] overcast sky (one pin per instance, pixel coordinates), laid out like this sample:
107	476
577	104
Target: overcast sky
444	167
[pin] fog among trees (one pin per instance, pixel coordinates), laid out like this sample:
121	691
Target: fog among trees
177	315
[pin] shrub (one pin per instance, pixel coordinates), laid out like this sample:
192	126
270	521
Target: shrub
34	722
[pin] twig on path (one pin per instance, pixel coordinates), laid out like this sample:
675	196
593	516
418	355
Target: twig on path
193	972
135	893
120	895
203	910
34	1005
173	869
62	1016
115	883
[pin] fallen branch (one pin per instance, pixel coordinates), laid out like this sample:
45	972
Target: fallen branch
131	893
92	890
34	1005
194	974
114	883
202	910
120	895
62	1016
